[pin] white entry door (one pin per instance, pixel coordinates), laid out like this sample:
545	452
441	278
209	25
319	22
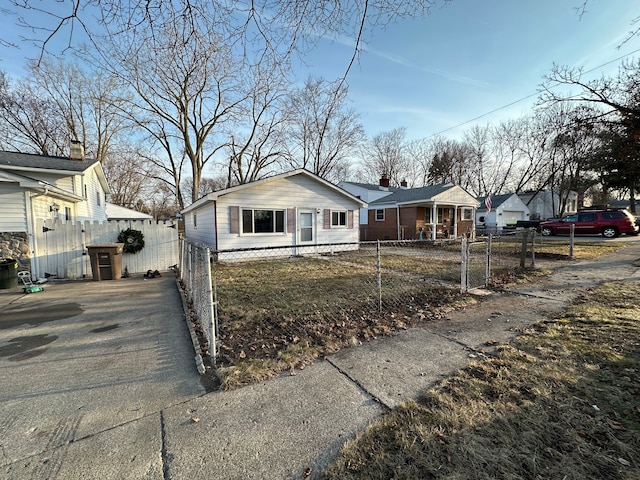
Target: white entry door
306	230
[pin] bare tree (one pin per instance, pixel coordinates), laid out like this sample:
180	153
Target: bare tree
130	176
322	132
89	104
30	120
386	154
187	90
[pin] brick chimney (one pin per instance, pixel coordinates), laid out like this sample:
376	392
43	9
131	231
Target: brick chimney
403	184
76	152
384	181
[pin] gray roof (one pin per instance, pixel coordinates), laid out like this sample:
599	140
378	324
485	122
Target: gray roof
407	195
43	162
496	200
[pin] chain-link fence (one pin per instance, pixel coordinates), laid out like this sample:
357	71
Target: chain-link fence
199	288
256	303
494	259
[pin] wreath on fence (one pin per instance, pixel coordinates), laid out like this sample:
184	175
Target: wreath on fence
133	240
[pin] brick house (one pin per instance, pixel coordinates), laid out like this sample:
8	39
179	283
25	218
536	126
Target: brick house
401	213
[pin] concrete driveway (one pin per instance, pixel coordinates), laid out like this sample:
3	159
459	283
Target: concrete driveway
86	369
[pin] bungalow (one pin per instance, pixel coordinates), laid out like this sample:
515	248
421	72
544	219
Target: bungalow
435	211
505	210
43	187
545	204
290	213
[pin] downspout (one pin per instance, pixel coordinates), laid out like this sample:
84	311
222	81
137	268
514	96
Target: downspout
398	220
31	232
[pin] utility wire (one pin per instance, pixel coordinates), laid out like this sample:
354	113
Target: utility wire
527	97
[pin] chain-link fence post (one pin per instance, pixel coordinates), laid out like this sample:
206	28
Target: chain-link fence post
190	271
487	272
572	236
464	265
523	250
533	249
379	276
212	327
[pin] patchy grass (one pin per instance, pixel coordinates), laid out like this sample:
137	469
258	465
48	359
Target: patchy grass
582	250
560	402
281	314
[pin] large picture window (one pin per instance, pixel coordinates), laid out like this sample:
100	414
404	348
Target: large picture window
262	221
467	214
338	219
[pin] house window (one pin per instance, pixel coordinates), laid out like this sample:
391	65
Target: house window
440	215
380	215
467	214
427	216
262	221
67	214
195	220
98	199
338	219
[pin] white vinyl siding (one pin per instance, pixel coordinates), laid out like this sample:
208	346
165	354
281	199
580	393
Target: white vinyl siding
290	194
90	209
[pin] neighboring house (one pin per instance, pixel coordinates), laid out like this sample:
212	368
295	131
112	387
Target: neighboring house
293	209
401	213
546	204
117	213
506	210
42	187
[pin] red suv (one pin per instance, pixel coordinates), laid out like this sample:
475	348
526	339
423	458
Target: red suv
609	223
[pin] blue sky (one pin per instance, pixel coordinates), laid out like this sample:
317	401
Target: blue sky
472	57
462	61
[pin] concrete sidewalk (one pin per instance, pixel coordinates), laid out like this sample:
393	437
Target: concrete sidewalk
107	401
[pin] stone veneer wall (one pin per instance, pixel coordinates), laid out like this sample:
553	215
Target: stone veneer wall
15	245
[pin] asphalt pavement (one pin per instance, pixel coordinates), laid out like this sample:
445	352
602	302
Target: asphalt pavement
99	381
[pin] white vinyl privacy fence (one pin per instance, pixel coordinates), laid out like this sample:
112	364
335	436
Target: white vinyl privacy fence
60	249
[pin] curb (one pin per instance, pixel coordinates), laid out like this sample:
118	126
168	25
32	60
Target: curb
194	339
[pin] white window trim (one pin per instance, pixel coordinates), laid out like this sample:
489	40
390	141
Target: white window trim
346	219
468	211
375	214
262	234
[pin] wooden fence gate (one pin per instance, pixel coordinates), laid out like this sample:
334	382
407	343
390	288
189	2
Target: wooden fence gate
60	248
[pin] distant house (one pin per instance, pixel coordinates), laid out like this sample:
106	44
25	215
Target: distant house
37	187
401	213
545	204
506	209
290	213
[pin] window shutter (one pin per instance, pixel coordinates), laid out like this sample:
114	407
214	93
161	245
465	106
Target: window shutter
234	219
291	220
327	218
350	219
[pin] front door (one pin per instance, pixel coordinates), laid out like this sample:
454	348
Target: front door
306	231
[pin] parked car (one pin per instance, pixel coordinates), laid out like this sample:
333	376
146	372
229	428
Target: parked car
608	223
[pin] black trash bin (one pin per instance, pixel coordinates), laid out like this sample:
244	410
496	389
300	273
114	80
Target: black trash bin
8	273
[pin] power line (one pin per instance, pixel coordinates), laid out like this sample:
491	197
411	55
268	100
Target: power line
527	97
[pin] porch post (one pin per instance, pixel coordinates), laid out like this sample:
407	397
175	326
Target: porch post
434	220
455	221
